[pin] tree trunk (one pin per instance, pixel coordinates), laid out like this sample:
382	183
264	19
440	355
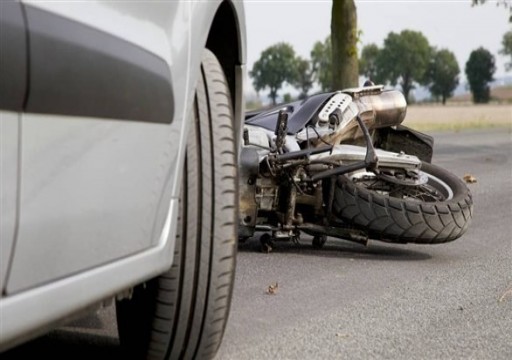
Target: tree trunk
273	95
345	69
406	86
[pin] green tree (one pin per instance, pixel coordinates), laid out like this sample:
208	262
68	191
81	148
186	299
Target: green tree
321	64
505	3
287	98
404	59
506	42
304	80
443	74
275	66
344	39
368	62
480	69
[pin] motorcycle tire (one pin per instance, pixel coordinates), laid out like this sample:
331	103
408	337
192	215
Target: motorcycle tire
182	313
406	219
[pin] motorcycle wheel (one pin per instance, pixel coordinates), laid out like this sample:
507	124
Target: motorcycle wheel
436	212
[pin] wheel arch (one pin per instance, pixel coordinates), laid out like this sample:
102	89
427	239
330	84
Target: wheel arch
227	40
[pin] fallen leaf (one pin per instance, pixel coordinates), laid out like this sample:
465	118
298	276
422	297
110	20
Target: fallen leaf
505	295
470	179
342	335
266	248
272	289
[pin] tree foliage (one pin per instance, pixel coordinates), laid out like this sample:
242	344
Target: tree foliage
506	42
304	80
404	59
276	65
368	62
505	3
480	69
321	64
443	74
344	37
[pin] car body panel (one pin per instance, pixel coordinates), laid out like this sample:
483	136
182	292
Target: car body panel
9	136
13	41
65	167
95	74
88	180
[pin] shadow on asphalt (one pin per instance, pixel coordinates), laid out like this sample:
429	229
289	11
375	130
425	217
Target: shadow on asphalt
68	344
335	248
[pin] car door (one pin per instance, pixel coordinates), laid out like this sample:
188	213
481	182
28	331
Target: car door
99	134
13	81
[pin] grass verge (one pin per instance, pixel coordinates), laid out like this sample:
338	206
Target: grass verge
456	118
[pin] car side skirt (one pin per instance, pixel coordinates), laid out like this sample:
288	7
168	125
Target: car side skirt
32	312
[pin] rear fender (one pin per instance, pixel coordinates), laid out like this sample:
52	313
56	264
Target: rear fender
402	138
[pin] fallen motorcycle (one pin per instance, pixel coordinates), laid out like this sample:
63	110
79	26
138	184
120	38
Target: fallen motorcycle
340	164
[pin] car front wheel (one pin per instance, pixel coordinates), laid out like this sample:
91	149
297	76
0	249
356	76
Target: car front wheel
182	313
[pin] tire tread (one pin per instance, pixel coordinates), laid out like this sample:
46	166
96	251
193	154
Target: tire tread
402	220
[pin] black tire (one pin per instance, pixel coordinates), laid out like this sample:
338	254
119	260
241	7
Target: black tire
182	313
406	220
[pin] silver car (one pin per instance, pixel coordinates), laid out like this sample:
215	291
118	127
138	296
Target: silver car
119	128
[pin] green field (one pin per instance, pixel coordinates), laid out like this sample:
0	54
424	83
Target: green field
458	117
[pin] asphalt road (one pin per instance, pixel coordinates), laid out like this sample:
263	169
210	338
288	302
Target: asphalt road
448	301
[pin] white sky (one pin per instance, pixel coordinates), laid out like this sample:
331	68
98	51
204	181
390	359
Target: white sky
454	25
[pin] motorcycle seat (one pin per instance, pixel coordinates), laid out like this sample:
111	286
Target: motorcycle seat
299	113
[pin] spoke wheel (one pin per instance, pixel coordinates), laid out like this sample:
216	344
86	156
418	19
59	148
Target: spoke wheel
437	211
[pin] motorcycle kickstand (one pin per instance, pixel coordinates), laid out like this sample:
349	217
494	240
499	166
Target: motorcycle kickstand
296	238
